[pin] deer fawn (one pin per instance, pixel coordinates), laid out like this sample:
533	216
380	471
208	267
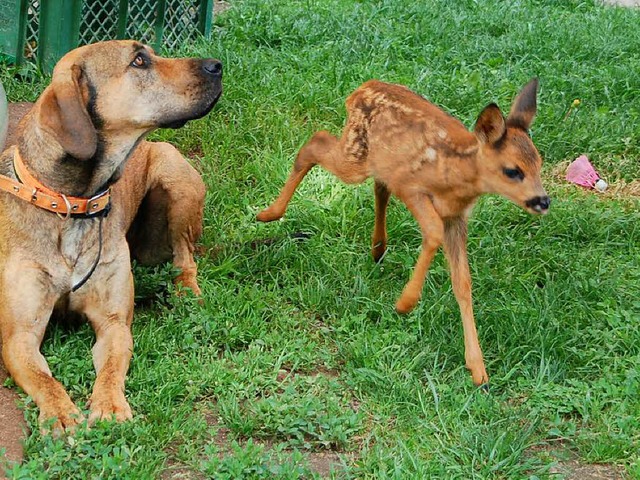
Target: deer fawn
431	162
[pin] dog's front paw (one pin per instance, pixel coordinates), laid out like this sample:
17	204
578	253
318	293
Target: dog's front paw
59	417
108	407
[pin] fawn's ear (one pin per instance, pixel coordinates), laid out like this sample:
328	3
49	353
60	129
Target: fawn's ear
490	126
524	107
63	113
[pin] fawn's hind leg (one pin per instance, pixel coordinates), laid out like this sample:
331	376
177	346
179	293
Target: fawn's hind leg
379	237
432	236
325	150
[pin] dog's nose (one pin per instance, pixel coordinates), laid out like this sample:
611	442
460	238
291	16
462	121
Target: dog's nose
539	204
212	67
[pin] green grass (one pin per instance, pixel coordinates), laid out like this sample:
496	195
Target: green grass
297	348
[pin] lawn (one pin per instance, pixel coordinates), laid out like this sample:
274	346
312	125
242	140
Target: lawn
296	362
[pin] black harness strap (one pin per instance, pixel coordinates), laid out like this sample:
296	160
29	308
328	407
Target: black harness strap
84	280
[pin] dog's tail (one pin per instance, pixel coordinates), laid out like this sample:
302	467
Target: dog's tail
4	117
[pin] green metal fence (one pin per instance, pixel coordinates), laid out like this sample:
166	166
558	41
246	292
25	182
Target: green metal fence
41	31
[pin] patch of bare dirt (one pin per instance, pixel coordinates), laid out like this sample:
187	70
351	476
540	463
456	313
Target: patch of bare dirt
574	470
323	462
570	467
12	424
220	6
178	472
320	462
622	3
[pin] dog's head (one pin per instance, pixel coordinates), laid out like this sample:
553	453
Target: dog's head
121	88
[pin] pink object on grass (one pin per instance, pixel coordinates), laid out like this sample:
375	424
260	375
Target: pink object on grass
582	173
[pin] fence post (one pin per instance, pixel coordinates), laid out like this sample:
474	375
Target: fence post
42	31
159	27
59	30
205	17
12	23
123	18
4	117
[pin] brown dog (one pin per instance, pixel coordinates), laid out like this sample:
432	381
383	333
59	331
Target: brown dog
83	136
431	162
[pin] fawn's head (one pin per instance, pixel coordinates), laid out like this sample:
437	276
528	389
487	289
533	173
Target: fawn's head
509	163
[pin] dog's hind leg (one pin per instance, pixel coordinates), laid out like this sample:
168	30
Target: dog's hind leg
169	220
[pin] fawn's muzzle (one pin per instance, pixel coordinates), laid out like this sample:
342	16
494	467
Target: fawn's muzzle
539	204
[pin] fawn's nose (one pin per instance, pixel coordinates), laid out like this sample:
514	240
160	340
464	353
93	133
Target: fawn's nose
539	204
212	67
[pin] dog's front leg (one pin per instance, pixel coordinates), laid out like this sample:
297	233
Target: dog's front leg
108	304
26	303
455	247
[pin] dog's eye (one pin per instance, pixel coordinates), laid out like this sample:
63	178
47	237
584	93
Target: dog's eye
139	62
514	173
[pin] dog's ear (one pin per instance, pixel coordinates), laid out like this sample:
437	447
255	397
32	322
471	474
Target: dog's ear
524	107
490	126
63	112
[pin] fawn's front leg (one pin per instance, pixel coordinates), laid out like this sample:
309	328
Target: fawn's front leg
421	207
455	247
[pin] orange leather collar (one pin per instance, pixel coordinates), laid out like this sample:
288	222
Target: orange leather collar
31	190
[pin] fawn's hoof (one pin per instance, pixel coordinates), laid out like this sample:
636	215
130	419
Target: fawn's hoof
406	303
378	250
480	379
269	215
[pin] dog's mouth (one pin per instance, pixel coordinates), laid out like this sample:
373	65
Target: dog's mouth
182	122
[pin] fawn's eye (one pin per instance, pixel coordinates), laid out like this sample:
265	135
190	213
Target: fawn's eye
514	173
140	61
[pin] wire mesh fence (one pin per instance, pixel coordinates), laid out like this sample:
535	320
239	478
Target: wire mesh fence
40	31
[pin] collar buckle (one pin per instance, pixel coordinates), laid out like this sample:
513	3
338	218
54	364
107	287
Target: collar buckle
96	207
